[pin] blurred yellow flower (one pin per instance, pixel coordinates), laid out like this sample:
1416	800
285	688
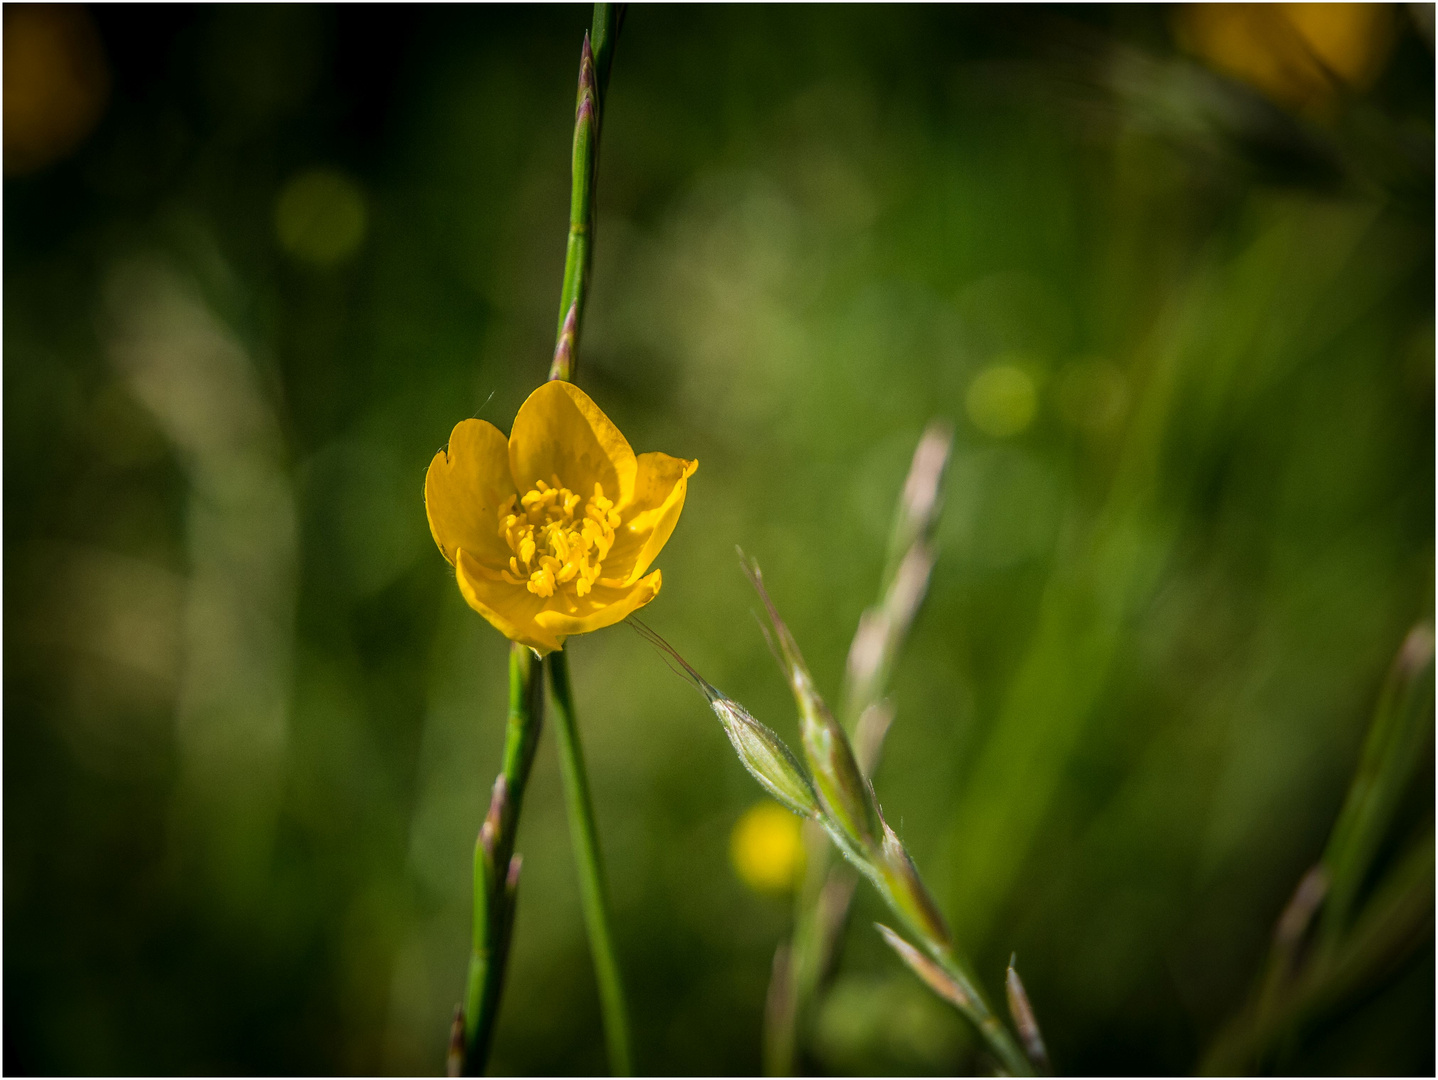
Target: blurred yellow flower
767	847
1294	53
56	83
551	531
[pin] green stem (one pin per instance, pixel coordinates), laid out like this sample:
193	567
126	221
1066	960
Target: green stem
911	902
496	867
590	866
594	64
989	1025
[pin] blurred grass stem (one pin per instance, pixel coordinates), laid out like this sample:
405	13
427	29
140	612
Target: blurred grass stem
1391	752
1324	952
589	863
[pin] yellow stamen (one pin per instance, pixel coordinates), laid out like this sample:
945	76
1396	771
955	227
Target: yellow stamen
552	548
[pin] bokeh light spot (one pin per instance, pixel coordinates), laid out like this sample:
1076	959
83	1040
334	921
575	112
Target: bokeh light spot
321	217
1291	52
1002	400
767	848
56	83
1093	396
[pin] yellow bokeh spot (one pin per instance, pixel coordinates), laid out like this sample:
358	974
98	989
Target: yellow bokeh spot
1291	52
767	848
56	83
320	217
1002	400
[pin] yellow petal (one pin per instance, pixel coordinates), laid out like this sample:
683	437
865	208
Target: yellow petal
604	606
659	491
510	609
560	432
466	484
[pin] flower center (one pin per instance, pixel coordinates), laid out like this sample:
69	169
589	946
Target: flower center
553	541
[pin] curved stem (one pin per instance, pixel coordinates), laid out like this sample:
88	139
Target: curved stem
589	863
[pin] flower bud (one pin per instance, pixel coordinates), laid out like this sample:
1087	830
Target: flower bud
766	757
760	750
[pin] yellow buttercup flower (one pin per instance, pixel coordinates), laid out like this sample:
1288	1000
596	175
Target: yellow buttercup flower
767	847
552	531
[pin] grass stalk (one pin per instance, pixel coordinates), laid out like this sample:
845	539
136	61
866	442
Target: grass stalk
844	804
590	865
1342	934
496	866
596	59
804	964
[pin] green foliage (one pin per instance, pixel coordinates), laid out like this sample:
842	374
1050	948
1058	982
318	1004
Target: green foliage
250	725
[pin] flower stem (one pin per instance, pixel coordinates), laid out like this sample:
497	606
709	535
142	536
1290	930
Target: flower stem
590	865
594	64
496	867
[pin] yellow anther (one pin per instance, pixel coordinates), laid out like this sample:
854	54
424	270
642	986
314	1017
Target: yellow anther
551	548
541	583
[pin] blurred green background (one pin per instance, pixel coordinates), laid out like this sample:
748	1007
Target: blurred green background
1169	274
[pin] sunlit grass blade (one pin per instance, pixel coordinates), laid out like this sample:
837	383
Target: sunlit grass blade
884	627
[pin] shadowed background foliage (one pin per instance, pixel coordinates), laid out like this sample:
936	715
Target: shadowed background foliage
1170	274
